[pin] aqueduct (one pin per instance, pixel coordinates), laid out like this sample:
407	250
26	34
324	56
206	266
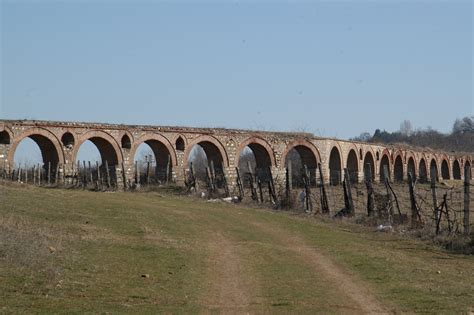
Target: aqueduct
59	143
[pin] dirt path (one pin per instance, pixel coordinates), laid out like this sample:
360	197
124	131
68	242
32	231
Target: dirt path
349	287
231	286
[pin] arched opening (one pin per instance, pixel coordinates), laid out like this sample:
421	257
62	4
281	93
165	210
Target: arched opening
369	165
153	162
38	152
422	171
93	157
445	170
4	137
411	168
398	169
468	165
434	169
335	171
203	157
179	144
353	166
384	163
126	142
259	159
299	157
67	140
361	157
456	170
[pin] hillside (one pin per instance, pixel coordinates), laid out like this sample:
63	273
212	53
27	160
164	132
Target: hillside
79	251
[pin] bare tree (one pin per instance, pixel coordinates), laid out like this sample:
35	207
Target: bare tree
464	125
406	128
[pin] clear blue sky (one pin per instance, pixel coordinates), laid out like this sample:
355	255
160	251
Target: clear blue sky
333	68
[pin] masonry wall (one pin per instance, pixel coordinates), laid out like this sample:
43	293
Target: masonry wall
227	143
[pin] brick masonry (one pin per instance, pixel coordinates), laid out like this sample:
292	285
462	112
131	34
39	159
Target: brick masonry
60	141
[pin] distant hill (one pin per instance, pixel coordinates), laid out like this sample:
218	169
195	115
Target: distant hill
461	139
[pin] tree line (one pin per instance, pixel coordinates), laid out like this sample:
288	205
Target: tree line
460	139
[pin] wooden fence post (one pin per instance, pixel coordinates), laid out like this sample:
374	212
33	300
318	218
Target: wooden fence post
239	184
107	173
253	182
467	184
324	197
370	191
168	168
289	183
433	192
348	193
415	213
49	173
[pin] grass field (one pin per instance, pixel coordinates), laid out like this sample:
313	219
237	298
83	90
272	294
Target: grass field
78	251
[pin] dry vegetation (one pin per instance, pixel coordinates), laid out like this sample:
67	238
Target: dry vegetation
81	251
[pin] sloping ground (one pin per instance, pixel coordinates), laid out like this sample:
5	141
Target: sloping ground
79	251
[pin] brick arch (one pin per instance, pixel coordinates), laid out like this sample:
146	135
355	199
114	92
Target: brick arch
150	137
9	132
353	166
262	144
105	143
445	167
310	148
50	146
185	139
398	168
468	160
385	153
433	158
334	176
209	139
457	170
408	156
373	162
396	153
130	137
180	145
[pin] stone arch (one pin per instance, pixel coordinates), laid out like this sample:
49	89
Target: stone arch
434	168
180	143
353	166
163	153
384	160
411	167
456	170
398	168
106	144
5	136
423	170
335	166
126	141
468	165
50	147
301	152
160	146
369	163
264	155
445	173
308	152
398	153
213	148
68	140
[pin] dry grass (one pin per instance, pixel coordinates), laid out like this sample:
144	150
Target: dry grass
105	242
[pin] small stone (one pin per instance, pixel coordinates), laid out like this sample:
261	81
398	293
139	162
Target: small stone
51	249
145	275
438	272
